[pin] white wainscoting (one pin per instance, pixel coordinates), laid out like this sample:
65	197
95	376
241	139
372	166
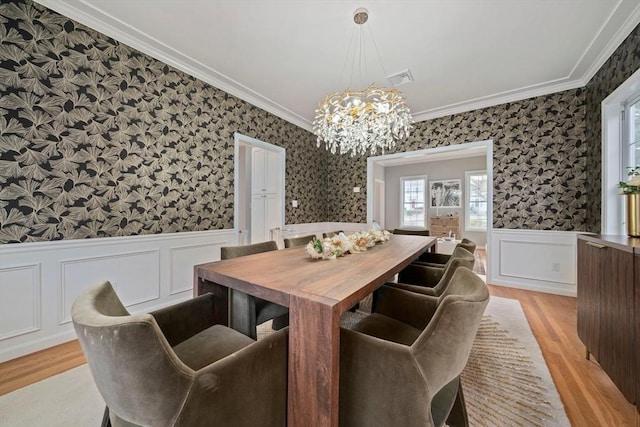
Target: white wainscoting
39	281
542	261
317	228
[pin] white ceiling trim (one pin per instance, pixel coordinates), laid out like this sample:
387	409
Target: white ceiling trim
124	33
623	32
502	98
94	18
548	87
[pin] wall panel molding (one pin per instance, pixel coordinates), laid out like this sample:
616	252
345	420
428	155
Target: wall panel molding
122	269
39	281
182	256
536	260
20	287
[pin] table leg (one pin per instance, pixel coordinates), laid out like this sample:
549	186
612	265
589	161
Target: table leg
314	363
220	299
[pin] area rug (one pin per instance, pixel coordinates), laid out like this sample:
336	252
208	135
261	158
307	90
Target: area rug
506	382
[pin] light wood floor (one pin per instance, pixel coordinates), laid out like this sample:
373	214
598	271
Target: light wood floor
589	397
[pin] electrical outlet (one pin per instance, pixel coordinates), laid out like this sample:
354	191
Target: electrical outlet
294	203
555	266
356	189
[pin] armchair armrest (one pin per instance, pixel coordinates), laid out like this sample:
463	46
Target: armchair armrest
407	307
183	320
421	275
414	288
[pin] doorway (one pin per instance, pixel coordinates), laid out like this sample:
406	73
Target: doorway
259	180
376	172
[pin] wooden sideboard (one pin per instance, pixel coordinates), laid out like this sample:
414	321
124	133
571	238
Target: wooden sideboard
440	226
609	307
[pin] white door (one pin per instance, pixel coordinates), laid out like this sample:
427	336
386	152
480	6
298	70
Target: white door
258	219
266	169
266	217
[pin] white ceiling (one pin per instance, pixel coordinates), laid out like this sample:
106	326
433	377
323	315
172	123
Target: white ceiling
286	55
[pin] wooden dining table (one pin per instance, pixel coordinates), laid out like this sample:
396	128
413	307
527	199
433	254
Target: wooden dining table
317	293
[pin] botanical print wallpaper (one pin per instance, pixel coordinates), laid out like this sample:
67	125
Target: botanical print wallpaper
539	161
620	66
99	140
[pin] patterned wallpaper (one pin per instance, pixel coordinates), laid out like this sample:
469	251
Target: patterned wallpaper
98	139
539	161
620	66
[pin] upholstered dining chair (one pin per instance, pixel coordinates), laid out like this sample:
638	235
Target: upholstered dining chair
331	233
175	367
435	259
411	231
247	311
440	286
421	274
415	346
293	242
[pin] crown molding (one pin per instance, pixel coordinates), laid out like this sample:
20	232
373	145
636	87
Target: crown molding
621	34
546	88
95	19
497	99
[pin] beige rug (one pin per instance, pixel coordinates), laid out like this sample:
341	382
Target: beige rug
506	382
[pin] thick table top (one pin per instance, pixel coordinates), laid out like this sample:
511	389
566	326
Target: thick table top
276	275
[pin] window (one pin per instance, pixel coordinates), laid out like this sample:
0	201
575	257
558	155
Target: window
619	150
413	196
631	136
476	201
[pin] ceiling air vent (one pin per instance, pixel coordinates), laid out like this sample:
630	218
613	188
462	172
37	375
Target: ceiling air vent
400	78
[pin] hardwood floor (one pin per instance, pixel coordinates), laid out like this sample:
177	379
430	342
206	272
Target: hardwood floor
589	396
34	367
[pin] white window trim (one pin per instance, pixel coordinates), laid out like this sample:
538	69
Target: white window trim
612	212
467	200
412	178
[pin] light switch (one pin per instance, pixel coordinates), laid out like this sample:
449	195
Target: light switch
356	189
294	203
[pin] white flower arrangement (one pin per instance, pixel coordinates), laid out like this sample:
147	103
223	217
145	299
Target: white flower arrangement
340	245
633	185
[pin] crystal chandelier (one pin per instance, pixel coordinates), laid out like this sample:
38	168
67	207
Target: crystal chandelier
362	121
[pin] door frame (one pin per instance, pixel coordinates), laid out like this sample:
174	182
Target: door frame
487	144
238	168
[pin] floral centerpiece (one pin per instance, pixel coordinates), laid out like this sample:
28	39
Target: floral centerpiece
341	245
633	185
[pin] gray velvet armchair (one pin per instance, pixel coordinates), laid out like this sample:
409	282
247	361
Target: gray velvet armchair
174	367
298	241
411	231
429	276
331	233
439	287
438	260
400	366
247	311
